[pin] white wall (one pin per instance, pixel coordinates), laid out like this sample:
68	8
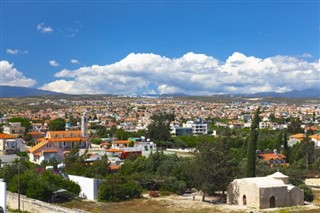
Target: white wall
3	195
89	186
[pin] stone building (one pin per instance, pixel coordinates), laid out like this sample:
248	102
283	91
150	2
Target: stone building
264	192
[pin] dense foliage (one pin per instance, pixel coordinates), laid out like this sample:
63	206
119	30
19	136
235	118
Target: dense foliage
117	189
159	129
25	122
35	182
57	124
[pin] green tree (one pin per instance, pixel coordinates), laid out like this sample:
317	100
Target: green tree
23	121
213	167
57	124
252	145
159	129
285	144
295	126
116	189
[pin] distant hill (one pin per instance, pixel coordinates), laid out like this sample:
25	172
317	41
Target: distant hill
306	93
14	92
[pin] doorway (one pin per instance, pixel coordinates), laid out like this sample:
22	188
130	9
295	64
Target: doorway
272	202
244	200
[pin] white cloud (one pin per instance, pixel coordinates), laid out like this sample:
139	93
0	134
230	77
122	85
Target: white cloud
16	52
53	63
195	74
10	76
74	61
12	52
44	29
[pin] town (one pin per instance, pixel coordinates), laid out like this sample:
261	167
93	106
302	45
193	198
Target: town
79	148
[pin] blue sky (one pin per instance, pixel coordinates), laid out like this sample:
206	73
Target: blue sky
134	47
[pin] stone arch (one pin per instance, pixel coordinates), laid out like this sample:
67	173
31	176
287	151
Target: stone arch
1	209
272	202
244	200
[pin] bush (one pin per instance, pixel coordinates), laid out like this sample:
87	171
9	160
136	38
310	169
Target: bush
308	196
171	184
119	189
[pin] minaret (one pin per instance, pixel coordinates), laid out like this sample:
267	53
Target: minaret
84	125
84	128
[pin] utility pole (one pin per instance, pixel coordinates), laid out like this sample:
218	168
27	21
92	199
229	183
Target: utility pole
19	162
19	185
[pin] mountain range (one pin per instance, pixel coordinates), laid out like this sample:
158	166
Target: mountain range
13	91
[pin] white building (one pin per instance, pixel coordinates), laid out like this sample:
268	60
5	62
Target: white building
8	143
264	192
89	186
199	126
14	128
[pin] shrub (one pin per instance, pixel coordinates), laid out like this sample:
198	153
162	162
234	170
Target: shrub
308	196
116	190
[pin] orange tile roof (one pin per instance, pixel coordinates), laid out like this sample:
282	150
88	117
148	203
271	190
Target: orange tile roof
316	136
269	156
298	136
114	150
36	133
114	167
121	142
38	146
6	136
64	133
313	128
74	139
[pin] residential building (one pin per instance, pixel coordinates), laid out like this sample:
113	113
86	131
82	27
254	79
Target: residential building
273	158
14	128
44	151
199	126
8	143
297	138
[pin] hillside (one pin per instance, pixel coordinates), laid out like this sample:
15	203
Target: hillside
13	92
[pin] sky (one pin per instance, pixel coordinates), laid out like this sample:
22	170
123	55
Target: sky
160	47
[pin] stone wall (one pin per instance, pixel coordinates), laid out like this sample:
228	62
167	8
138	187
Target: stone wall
36	206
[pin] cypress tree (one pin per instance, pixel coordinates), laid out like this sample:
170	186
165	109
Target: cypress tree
285	145
252	146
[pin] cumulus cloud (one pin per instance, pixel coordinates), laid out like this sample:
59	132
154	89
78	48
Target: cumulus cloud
16	52
194	74
74	61
10	76
44	28
53	63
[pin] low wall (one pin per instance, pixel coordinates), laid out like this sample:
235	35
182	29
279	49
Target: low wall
36	206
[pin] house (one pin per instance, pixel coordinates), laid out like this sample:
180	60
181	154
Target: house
8	143
297	138
264	192
316	139
178	131
14	128
35	135
69	138
199	126
273	158
45	150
